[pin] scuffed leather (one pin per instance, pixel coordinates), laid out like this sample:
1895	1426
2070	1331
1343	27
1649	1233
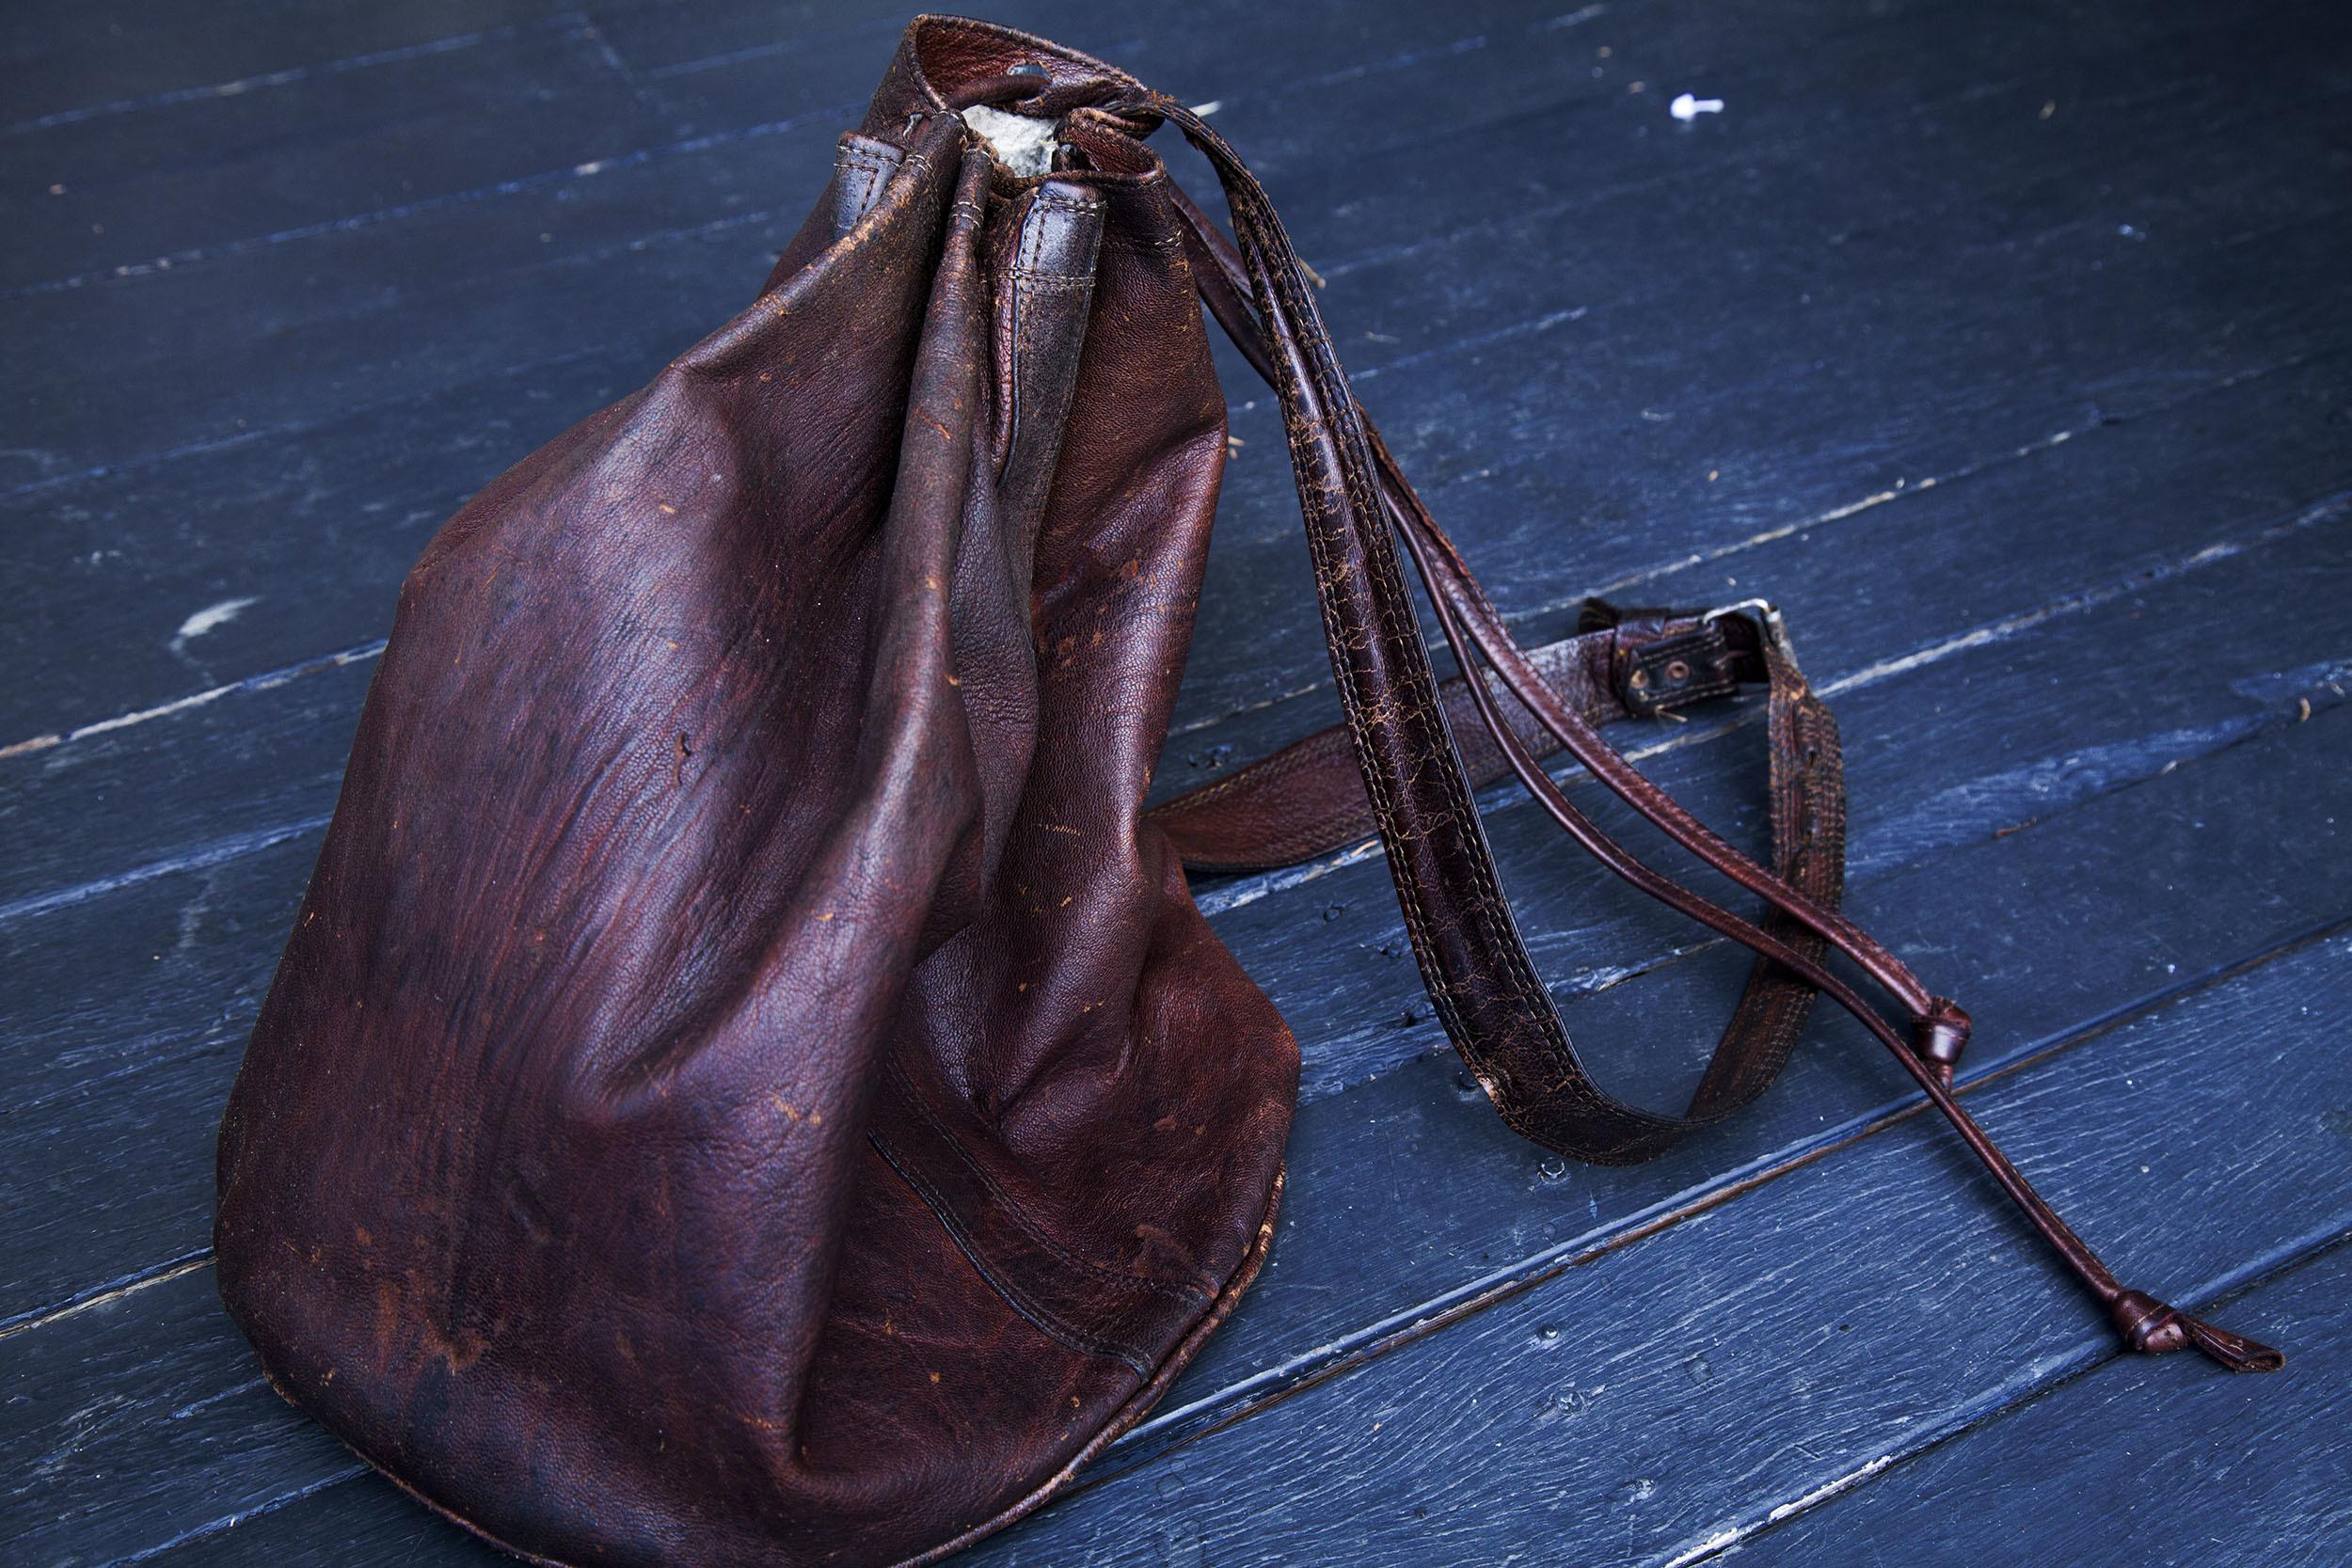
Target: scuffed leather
746	1085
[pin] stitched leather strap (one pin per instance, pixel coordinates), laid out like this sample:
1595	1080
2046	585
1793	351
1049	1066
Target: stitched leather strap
1308	798
1476	967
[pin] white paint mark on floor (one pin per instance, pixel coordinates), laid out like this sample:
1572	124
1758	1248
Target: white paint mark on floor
210	618
1706	1548
1827	1490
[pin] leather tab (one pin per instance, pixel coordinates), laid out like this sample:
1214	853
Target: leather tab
1659	674
862	167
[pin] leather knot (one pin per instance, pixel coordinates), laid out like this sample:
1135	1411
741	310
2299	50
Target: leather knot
2154	1328
2147	1324
1940	1035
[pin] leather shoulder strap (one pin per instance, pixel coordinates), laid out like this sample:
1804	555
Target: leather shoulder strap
1358	510
1308	798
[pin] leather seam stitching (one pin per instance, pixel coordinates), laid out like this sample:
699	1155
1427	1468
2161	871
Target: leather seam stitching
1038	1316
1115	1278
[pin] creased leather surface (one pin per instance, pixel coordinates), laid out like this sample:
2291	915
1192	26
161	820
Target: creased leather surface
746	1086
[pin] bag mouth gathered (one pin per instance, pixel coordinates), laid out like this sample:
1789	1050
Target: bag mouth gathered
953	65
950	57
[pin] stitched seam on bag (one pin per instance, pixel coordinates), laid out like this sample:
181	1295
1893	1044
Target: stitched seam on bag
906	162
1025	276
1053	201
1033	231
1035	1313
883	168
878	163
1117	1279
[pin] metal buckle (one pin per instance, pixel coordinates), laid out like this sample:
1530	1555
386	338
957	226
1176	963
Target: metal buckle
1768	616
1765	609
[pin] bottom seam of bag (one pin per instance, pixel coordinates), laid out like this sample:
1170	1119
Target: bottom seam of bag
1035	1313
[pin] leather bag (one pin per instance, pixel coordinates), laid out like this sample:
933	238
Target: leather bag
749	1082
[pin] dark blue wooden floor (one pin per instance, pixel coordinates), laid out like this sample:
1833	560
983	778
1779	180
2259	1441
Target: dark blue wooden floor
2007	345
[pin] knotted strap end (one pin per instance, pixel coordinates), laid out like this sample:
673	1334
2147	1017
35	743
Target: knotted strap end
2153	1328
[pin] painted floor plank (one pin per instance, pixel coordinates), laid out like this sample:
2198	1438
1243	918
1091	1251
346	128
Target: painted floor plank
2127	1465
65	63
353	505
221	173
193	178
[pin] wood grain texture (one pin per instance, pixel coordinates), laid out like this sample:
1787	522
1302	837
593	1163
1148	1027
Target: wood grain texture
2005	348
2234	1471
1615	222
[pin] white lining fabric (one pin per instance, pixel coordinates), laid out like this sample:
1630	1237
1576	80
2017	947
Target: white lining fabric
1023	145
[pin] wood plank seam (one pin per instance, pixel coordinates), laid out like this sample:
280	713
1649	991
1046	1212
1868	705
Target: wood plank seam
448	44
270	678
1894	1463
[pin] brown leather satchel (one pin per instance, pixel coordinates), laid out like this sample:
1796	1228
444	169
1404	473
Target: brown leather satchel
749	1083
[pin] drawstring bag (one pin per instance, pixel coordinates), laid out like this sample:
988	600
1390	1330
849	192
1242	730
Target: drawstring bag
749	1083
